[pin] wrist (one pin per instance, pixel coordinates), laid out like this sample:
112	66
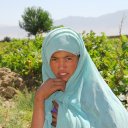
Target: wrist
38	98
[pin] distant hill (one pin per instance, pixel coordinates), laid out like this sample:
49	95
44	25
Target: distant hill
12	31
108	23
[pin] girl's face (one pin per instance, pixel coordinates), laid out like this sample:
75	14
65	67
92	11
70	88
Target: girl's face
63	64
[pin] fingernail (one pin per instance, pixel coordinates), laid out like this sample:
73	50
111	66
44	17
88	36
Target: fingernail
54	110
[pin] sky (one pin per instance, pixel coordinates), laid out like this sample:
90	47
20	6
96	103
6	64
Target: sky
11	10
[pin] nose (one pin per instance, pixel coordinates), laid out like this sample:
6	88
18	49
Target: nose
61	64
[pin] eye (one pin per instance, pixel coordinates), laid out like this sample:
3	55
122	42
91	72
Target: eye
68	58
53	59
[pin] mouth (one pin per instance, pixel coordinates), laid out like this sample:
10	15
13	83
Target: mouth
62	75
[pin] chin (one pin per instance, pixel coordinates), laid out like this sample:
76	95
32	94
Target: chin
65	79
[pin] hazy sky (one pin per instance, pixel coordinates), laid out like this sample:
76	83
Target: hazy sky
11	10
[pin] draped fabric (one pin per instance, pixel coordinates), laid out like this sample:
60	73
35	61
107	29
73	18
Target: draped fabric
87	101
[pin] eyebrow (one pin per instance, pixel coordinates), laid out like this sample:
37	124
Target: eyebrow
63	57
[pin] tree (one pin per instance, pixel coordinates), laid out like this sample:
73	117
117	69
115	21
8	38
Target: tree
36	20
7	39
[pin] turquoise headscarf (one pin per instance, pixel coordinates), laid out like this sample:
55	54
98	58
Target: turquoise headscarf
87	101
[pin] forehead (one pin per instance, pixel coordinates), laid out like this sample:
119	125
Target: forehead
62	54
65	41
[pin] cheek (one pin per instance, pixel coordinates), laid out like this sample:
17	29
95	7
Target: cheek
72	67
53	68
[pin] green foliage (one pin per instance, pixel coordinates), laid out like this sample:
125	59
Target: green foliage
23	57
111	59
6	39
109	54
54	27
36	20
24	100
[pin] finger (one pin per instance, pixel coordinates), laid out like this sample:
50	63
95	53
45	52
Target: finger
63	83
54	119
59	80
60	83
55	104
53	124
58	87
54	116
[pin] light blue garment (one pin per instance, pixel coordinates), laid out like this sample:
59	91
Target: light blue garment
87	101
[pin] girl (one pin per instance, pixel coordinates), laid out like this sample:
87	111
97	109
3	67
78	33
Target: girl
74	94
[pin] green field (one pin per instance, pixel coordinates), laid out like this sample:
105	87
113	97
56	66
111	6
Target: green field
24	57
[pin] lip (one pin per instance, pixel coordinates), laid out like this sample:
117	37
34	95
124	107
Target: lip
62	74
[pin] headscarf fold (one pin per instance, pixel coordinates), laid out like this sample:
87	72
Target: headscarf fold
87	101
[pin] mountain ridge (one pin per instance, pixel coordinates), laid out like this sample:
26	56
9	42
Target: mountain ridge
108	23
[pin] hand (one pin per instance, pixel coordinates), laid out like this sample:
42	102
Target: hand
49	87
54	113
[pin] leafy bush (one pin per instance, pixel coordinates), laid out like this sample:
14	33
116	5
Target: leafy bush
111	59
7	39
23	57
109	54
